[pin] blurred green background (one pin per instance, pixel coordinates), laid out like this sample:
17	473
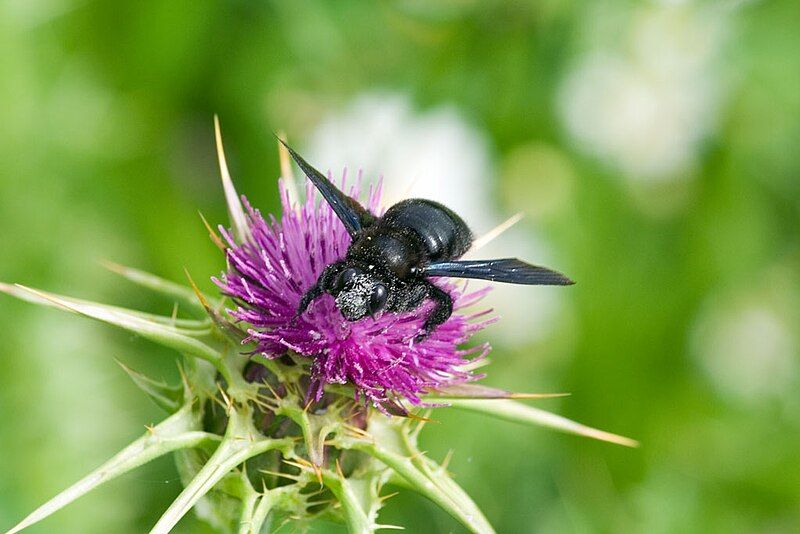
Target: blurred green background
653	147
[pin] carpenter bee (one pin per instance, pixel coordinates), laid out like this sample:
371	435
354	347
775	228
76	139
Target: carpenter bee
391	258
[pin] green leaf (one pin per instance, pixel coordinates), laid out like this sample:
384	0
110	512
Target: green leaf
520	413
179	293
61	302
240	443
477	391
152	327
165	396
241	231
176	432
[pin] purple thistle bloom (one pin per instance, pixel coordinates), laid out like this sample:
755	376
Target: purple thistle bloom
268	275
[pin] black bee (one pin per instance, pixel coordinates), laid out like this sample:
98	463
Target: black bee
388	264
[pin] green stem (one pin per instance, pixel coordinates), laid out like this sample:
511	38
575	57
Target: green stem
457	504
357	518
259	515
175	432
239	444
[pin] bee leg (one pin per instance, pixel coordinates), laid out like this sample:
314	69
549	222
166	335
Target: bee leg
323	285
308	297
442	310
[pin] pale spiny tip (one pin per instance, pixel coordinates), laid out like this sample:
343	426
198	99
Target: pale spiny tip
496	232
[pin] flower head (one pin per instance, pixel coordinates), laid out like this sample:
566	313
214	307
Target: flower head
269	273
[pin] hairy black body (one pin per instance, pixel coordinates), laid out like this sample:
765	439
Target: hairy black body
388	264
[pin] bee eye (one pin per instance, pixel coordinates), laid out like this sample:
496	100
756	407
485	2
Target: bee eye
377	300
346	277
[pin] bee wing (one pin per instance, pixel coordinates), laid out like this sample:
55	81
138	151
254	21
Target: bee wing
354	216
508	270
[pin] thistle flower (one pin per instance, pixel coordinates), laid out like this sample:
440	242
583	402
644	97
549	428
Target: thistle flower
268	424
268	274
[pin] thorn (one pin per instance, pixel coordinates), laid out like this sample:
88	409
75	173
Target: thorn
151	429
225	325
538	395
339	469
387	497
113	266
420	418
228	402
271	390
299	463
197	292
265	403
302	463
357	431
238	221
422	421
216	400
174	315
278	474
447	458
318	473
184	378
418	454
285	158
412	184
216	239
496	232
286	169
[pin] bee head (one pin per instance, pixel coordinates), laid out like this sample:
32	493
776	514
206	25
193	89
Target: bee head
359	294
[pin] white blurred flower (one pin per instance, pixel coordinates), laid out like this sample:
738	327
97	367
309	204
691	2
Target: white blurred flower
436	154
646	109
30	14
748	348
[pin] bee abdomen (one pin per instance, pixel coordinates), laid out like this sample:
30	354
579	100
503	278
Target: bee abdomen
440	231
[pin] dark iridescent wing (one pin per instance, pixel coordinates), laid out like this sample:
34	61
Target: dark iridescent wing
508	270
352	214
